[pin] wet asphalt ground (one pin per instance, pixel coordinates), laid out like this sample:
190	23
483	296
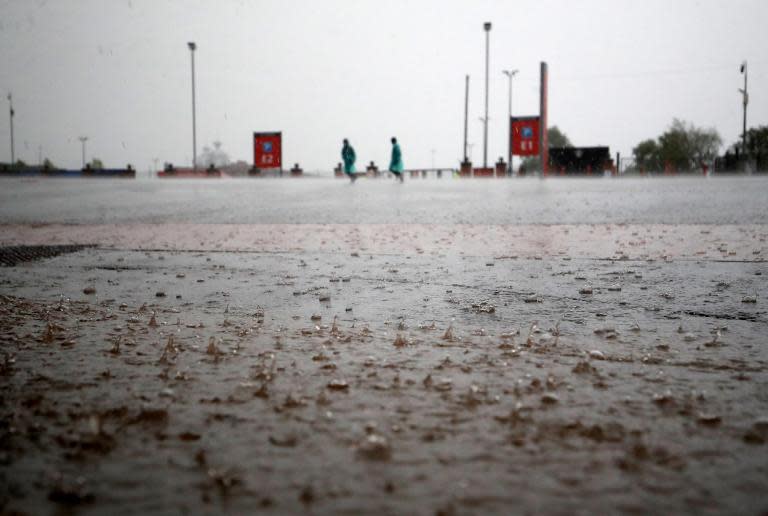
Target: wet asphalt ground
392	367
650	200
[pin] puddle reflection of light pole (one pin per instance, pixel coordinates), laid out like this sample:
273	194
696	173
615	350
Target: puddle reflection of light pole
192	47
83	139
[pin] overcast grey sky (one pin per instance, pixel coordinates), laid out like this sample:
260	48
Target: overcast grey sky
118	71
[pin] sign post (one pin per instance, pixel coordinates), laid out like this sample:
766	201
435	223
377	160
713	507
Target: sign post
525	135
268	151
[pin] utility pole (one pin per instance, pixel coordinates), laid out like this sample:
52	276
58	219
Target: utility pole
466	114
510	74
83	139
10	103
192	47
487	27
745	99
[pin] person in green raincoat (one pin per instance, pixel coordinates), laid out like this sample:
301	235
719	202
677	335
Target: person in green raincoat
396	163
348	156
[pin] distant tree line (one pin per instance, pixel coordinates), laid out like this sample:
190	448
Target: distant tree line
681	147
757	142
756	150
684	147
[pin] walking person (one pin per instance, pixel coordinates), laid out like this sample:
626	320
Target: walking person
396	163
348	157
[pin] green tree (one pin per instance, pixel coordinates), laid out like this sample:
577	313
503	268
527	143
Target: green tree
48	164
557	138
96	164
704	144
757	141
646	154
757	147
682	146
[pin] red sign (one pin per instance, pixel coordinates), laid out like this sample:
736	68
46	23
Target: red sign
525	136
267	150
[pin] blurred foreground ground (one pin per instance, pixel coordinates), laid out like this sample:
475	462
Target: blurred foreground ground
388	367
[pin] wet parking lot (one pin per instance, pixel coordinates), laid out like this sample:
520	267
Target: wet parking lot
384	348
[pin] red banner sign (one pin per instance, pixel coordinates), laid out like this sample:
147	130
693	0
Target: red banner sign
525	136
267	150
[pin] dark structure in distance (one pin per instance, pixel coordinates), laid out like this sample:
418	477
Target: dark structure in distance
579	160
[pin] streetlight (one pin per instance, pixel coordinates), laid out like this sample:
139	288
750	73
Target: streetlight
510	74
83	139
466	115
10	107
745	99
487	28
192	47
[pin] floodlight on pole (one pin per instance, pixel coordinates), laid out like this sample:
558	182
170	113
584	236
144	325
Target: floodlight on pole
192	47
487	28
510	74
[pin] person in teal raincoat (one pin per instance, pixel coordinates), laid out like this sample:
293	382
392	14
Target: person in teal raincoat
396	163
348	157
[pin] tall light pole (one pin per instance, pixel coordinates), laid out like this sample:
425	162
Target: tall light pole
510	74
484	121
83	139
192	47
466	114
487	28
745	99
10	107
